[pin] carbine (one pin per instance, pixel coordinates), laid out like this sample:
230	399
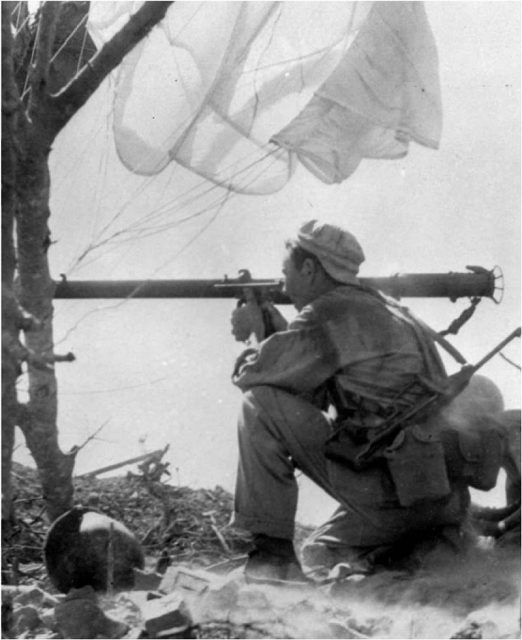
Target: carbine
361	456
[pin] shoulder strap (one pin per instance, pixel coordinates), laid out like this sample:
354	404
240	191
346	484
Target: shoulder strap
437	337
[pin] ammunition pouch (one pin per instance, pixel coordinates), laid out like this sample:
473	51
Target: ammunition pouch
474	456
416	463
425	459
415	460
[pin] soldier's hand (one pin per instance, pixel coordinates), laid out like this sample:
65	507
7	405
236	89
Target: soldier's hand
242	359
246	320
279	322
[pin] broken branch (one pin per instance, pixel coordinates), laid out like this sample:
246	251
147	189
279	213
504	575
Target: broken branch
91	437
118	465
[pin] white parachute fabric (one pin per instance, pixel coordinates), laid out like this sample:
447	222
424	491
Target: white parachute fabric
384	93
209	88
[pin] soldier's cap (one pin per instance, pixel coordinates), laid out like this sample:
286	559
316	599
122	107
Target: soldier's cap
337	250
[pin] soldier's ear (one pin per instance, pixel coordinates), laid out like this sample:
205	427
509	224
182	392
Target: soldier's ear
309	267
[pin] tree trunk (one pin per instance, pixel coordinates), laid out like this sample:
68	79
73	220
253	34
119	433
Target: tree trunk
36	295
30	123
10	364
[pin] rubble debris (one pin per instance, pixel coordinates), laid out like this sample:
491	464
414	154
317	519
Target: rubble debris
24	595
252	606
179	578
25	619
340	631
80	616
478	625
218	600
182	532
166	617
219	604
147	580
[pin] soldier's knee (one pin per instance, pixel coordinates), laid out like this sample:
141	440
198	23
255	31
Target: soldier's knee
252	409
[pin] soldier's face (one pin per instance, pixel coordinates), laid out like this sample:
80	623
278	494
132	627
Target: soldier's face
296	284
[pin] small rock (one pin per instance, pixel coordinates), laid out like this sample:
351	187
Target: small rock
48	619
36	597
146	580
25	619
363	628
341	631
477	625
252	606
468	631
79	616
217	602
176	578
252	598
165	617
83	593
344	570
308	627
382	626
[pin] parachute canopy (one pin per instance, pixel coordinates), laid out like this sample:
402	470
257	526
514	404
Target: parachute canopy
238	92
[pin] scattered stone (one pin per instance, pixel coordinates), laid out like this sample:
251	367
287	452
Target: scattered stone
382	626
309	626
252	598
25	619
80	616
36	597
341	631
137	599
344	570
477	625
167	616
22	595
217	602
176	578
146	580
48	619
365	629
251	607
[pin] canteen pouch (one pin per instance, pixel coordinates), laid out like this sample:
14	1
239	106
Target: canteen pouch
417	466
474	456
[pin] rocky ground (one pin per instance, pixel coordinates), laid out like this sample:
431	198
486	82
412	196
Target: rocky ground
202	594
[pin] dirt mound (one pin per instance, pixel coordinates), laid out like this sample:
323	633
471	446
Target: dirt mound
190	525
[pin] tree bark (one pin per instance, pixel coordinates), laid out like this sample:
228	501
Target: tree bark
36	296
10	364
29	129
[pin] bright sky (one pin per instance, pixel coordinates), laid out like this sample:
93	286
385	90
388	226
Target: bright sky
434	211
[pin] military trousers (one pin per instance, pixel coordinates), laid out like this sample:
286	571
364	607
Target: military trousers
279	432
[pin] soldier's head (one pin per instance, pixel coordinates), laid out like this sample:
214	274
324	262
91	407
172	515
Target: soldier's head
322	256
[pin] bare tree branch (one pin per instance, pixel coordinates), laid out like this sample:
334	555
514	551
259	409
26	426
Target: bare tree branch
92	436
39	74
73	96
